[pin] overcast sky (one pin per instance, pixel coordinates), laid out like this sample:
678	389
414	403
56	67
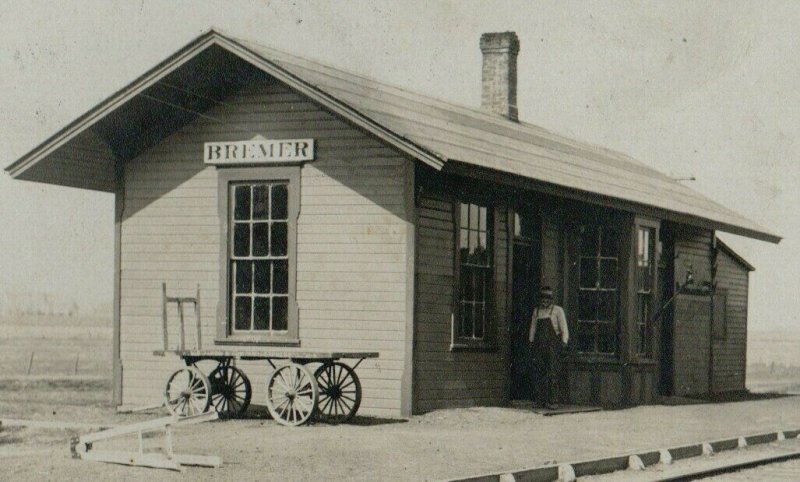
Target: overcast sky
692	88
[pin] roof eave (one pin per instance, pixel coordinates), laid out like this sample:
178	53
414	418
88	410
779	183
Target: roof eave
185	54
90	117
749	233
466	169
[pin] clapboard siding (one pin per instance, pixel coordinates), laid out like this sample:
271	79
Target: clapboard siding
442	377
730	353
692	316
351	243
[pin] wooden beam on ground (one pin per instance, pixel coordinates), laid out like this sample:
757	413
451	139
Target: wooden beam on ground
82	447
155	424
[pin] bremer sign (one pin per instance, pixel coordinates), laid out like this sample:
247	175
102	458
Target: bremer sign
258	151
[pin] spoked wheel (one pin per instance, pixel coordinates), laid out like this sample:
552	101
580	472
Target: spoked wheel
339	392
230	391
187	392
292	394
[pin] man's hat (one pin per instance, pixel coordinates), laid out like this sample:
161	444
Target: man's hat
546	292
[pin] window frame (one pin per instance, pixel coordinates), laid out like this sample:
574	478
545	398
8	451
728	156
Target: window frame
488	342
268	174
619	290
651	328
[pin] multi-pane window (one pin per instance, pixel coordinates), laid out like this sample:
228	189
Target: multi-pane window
475	245
645	281
598	290
259	264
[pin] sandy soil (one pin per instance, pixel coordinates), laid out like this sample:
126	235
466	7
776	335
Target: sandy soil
441	444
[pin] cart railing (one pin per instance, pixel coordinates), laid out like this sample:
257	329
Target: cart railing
180	301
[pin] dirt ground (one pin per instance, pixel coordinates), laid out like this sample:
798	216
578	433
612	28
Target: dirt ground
437	445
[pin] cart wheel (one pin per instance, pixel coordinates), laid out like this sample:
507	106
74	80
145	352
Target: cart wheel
187	392
230	391
292	395
339	392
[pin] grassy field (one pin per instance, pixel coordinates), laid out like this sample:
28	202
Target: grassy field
58	346
69	379
773	361
775	378
81	346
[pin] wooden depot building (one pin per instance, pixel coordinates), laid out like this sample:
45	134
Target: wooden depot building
318	209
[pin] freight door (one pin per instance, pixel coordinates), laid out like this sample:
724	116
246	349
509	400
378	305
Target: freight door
691	323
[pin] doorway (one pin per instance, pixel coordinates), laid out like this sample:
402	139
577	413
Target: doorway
526	275
666	277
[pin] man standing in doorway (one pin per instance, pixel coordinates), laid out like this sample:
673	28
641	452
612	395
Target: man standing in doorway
549	335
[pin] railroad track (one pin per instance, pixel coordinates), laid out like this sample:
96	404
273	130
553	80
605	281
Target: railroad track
776	461
781	471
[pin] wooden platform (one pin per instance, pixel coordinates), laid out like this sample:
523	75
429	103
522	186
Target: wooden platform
565	409
561	410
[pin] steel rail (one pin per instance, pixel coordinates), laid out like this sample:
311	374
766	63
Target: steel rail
697	474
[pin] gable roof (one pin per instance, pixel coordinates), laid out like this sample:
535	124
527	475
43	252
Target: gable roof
442	135
722	246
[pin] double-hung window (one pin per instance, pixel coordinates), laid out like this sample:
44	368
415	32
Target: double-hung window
645	287
475	258
259	264
598	290
260	210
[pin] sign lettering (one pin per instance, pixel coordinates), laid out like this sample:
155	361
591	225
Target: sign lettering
258	151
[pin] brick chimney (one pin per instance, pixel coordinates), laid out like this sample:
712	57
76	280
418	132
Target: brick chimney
499	83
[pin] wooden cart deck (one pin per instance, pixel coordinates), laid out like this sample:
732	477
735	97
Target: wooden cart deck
267	354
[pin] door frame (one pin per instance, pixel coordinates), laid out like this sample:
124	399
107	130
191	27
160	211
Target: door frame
666	322
534	245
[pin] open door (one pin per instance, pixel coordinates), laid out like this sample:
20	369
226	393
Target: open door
526	274
666	277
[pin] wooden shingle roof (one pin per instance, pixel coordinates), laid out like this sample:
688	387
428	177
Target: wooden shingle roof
439	133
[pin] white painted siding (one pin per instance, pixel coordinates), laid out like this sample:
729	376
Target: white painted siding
351	243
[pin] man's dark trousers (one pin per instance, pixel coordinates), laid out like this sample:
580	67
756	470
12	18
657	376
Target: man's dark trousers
546	363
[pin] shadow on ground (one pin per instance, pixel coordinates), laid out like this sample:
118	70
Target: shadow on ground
740	396
260	412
